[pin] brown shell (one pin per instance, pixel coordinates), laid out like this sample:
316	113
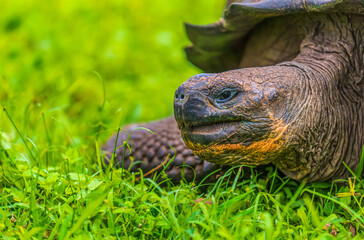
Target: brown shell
216	47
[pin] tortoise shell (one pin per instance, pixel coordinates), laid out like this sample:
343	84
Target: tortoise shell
216	47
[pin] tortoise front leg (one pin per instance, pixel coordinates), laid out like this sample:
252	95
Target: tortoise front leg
150	150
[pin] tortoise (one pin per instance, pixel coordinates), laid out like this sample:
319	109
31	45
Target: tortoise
284	85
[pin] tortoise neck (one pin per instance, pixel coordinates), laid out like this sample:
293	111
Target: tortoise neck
333	47
331	118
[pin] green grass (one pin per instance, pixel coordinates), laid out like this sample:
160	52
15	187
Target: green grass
73	72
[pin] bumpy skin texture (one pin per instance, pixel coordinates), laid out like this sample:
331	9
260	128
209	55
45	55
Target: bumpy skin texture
296	101
150	150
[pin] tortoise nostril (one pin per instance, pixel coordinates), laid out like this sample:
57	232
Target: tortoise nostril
181	94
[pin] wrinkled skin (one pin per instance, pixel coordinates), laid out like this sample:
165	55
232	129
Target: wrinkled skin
304	113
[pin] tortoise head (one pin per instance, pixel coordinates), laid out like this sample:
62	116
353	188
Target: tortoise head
238	116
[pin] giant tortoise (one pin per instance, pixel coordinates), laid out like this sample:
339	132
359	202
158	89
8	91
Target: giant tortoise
285	85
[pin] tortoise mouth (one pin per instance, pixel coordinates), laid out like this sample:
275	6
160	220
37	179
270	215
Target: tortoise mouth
226	143
201	136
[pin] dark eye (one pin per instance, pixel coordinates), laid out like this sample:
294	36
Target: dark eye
225	96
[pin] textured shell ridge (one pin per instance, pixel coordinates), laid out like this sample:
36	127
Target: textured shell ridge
214	46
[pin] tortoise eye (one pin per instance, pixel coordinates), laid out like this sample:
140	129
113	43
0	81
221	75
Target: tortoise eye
225	96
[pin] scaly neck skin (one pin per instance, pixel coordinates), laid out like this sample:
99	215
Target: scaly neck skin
329	124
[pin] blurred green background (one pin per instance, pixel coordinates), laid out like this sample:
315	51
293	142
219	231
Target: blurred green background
50	51
55	59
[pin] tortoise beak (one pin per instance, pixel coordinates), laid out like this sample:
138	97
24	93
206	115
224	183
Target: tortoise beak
191	108
200	122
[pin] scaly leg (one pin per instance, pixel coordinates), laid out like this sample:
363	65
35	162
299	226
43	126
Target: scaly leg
150	150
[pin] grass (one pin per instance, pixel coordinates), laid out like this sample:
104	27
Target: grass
72	73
